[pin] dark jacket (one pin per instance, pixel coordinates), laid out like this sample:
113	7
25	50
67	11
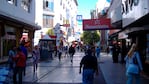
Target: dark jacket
89	62
71	50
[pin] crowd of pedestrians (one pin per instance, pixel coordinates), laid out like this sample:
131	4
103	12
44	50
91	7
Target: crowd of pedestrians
88	64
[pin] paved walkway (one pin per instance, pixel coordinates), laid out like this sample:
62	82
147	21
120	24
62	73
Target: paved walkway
114	73
55	72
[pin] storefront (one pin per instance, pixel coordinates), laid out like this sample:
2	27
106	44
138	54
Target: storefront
140	36
136	26
11	32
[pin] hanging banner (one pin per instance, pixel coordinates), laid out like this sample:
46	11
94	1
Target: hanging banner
97	24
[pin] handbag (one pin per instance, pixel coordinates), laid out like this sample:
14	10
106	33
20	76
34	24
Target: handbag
133	68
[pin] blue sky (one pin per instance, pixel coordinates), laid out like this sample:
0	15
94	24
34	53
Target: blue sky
84	7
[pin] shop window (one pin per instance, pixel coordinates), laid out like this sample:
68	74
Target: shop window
12	2
9	39
48	5
48	21
26	5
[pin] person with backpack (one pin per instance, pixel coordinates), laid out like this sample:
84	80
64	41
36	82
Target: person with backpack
133	65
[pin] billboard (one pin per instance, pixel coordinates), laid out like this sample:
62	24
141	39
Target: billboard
97	24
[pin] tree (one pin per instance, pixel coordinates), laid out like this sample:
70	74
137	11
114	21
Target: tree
88	37
50	32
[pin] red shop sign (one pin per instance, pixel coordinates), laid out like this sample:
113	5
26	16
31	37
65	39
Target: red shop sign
97	24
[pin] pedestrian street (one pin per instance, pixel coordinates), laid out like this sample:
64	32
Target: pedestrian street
55	72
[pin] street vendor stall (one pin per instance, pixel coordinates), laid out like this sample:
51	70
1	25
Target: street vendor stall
47	47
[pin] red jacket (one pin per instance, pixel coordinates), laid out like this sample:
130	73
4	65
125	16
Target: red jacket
20	59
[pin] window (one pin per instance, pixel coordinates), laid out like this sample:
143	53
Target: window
48	21
48	5
12	2
26	4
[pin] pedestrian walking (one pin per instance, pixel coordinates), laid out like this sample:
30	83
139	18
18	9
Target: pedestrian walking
60	53
108	50
115	52
133	65
98	53
71	52
36	56
90	67
24	50
12	53
66	51
20	60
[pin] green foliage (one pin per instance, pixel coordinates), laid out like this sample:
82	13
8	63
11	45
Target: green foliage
50	32
89	37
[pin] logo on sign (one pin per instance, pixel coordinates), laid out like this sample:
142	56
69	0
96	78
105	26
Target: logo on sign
97	22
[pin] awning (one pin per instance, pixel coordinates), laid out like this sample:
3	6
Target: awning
18	21
122	35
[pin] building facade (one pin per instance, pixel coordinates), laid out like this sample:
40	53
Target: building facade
135	24
59	16
101	12
17	21
130	17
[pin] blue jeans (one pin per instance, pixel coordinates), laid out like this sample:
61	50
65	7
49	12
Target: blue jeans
98	54
130	78
88	76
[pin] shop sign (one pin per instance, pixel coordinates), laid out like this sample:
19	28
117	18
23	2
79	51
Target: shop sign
96	24
79	18
66	25
128	4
